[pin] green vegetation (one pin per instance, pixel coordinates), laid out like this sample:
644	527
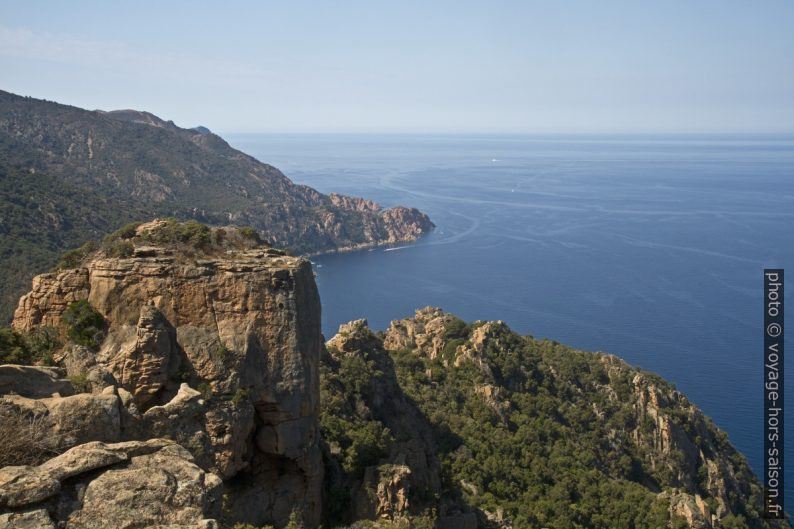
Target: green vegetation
551	441
52	202
120	249
126	232
172	232
205	389
42	217
36	347
295	521
84	325
80	383
220	354
354	435
240	396
188	238
362	441
249	233
414	522
73	258
456	329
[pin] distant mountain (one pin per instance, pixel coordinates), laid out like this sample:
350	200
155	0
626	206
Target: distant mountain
68	175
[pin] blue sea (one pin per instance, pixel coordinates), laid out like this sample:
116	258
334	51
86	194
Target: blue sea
648	247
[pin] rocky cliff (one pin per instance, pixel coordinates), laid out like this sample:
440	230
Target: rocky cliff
192	390
68	175
457	425
214	347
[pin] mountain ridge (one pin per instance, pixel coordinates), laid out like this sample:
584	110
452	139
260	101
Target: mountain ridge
57	160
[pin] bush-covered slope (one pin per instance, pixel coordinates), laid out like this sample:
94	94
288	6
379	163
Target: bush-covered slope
41	217
68	175
519	433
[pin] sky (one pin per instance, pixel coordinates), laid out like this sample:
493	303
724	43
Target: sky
495	66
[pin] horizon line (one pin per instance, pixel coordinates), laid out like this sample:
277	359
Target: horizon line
386	132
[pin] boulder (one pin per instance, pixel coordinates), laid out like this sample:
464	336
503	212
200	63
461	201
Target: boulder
153	483
34	382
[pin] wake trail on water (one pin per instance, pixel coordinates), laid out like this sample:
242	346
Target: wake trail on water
648	244
388	183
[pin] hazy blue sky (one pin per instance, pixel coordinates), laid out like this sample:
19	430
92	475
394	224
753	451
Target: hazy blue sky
501	66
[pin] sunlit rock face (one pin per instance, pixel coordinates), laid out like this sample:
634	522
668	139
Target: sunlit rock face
217	352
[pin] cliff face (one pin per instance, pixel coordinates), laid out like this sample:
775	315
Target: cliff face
217	352
88	172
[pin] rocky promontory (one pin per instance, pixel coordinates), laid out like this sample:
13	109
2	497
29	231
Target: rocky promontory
212	344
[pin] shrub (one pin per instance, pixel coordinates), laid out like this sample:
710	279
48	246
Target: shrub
451	348
12	348
35	347
42	343
84	325
120	248
80	383
239	396
205	389
25	439
456	329
218	236
220	354
246	232
125	232
191	233
73	258
295	521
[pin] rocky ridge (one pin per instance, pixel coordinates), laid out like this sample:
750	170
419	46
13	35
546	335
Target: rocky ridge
474	396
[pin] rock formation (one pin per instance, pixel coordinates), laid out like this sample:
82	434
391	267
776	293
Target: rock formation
215	349
153	483
514	432
187	395
402	478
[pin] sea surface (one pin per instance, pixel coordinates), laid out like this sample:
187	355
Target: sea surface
648	247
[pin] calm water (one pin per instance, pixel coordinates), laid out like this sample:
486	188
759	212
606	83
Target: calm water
649	248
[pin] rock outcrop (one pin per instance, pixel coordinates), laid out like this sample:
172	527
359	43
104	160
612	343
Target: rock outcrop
153	483
403	477
33	381
526	433
217	351
424	332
